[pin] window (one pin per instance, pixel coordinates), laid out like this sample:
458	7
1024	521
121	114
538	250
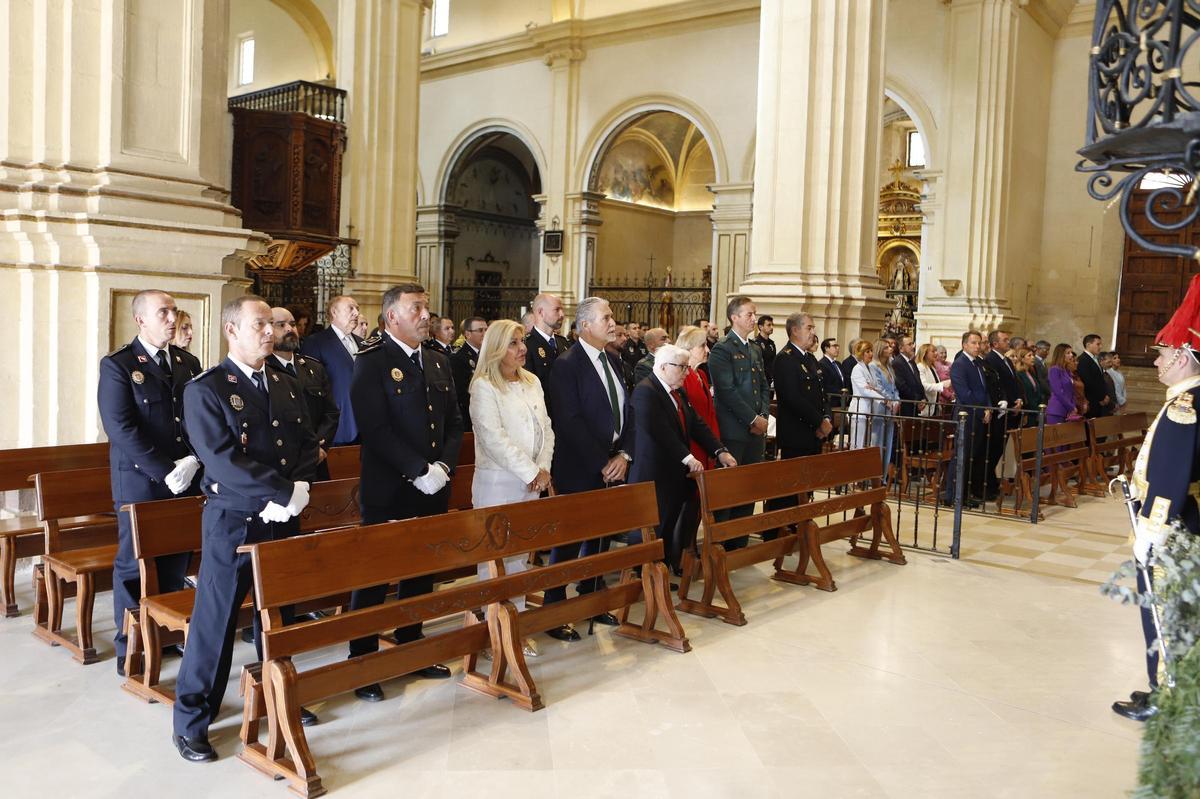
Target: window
439	20
916	149
245	65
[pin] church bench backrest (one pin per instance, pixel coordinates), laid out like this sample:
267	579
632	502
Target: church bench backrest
62	496
1063	442
346	461
1131	427
17	466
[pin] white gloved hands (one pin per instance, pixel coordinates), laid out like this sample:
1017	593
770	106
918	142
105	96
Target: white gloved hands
1144	539
274	512
299	500
434	479
181	476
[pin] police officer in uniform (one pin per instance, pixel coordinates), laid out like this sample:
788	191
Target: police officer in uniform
543	344
249	428
462	365
140	397
1166	474
766	326
323	413
634	348
404	398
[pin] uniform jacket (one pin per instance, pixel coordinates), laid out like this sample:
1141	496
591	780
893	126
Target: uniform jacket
323	412
253	446
767	345
539	356
633	351
437	346
801	403
740	385
325	346
410	417
644	368
1168	463
141	409
583	422
462	368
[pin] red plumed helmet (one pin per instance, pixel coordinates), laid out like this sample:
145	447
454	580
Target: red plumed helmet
1183	331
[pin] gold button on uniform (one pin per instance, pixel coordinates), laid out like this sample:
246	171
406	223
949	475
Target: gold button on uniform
274	423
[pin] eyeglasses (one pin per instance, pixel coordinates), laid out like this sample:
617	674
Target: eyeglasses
679	365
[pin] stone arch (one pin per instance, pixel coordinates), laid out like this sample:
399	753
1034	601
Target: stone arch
465	140
918	111
310	19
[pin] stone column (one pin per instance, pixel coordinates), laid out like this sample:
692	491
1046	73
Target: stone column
968	283
437	228
579	240
114	167
731	217
382	113
820	105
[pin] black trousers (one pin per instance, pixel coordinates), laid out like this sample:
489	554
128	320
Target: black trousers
221	587
407	503
744	452
791	500
127	580
567	552
1149	633
975	447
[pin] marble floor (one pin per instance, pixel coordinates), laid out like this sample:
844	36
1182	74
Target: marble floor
937	679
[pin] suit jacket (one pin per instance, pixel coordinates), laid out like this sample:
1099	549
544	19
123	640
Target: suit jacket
462	367
848	365
662	444
908	384
583	422
1094	387
410	418
801	403
740	386
327	348
254	446
141	409
323	412
833	379
1043	375
1010	389
970	387
644	368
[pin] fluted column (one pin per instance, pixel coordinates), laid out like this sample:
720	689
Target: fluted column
383	102
820	105
582	231
437	228
114	167
731	219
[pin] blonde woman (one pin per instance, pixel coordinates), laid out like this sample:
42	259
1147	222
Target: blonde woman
514	442
933	385
882	427
183	338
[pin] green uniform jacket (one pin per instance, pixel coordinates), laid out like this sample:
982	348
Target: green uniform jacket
740	386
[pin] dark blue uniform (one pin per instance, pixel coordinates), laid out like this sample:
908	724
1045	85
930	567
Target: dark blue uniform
409	417
462	366
141	408
323	412
253	448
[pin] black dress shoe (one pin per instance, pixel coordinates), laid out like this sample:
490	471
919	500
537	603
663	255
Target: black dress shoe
1140	697
248	635
434	672
370	693
564	633
196	750
308	718
606	619
176	650
1136	711
120	667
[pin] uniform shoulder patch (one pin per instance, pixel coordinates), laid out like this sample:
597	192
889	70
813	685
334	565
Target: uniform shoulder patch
1182	409
203	374
309	359
371	344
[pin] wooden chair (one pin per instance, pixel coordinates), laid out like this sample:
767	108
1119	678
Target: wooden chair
297	570
22	536
928	448
344	462
798	529
1113	441
1065	453
78	557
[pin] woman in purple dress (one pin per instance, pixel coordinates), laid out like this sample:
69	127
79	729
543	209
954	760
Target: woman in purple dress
1061	407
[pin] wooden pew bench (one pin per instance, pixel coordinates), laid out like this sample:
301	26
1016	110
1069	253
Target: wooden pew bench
78	560
22	536
1113	441
798	526
344	462
1065	453
300	569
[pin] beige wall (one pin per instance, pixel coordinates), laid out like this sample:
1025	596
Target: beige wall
693	244
630	234
282	51
475	21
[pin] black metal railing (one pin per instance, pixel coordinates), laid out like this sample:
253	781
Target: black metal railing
646	299
314	99
507	301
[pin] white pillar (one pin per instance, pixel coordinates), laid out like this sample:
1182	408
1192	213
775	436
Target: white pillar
114	166
733	205
437	228
820	105
582	232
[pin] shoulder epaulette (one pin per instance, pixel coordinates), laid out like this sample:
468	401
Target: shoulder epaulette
122	348
205	372
373	343
305	358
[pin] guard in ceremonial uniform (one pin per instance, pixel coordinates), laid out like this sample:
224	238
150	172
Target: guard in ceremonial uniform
323	413
404	398
1166	474
249	427
140	397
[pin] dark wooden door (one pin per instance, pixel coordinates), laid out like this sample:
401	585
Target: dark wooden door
1152	285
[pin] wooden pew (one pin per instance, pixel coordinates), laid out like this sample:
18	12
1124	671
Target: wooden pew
799	531
299	569
22	536
1113	441
344	462
1065	452
173	526
76	557
927	447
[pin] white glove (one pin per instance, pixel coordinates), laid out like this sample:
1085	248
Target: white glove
274	512
299	500
1143	540
181	476
1141	549
432	481
1003	405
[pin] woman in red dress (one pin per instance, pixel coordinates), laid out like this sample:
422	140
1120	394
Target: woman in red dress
697	386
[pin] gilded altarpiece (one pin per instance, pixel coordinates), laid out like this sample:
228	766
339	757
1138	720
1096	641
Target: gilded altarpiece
898	251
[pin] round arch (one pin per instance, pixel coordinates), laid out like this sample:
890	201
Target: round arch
315	27
918	112
611	125
468	137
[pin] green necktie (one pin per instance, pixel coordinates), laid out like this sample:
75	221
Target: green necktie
612	395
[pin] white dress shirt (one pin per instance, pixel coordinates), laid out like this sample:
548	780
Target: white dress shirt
593	355
249	372
347	341
153	351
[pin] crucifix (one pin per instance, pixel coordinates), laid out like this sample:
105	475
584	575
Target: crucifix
651	260
897	169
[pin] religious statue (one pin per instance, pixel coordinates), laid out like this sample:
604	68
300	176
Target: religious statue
904	273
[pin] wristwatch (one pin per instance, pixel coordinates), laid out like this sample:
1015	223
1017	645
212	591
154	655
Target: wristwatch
625	455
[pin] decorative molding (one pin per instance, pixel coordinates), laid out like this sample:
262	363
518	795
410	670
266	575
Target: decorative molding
1080	20
951	287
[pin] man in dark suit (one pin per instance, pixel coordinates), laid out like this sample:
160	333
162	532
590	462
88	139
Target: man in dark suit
593	431
765	327
412	430
441	335
849	362
140	398
1100	403
336	347
655	337
833	378
908	379
803	420
1041	352
616	348
666	425
248	426
1011	397
970	389
323	413
544	344
462	365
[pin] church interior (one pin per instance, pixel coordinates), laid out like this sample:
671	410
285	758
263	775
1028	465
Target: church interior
883	166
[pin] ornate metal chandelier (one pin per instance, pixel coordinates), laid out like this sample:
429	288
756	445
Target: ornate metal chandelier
1144	114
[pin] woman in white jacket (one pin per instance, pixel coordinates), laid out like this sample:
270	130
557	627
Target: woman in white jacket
927	368
868	397
514	441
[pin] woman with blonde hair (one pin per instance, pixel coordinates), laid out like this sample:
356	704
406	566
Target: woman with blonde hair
514	441
865	392
883	429
697	386
933	385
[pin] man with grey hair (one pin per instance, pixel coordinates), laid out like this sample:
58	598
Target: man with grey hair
1041	351
336	347
667	426
527	322
653	338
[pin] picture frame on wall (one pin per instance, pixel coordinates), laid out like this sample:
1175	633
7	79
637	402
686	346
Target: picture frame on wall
552	242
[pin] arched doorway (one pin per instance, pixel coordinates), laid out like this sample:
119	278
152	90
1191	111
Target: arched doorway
653	258
898	246
490	270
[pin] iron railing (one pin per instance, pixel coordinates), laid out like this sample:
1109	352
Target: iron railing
654	303
507	301
314	99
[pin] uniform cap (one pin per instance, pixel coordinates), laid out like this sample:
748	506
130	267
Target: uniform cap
1181	331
